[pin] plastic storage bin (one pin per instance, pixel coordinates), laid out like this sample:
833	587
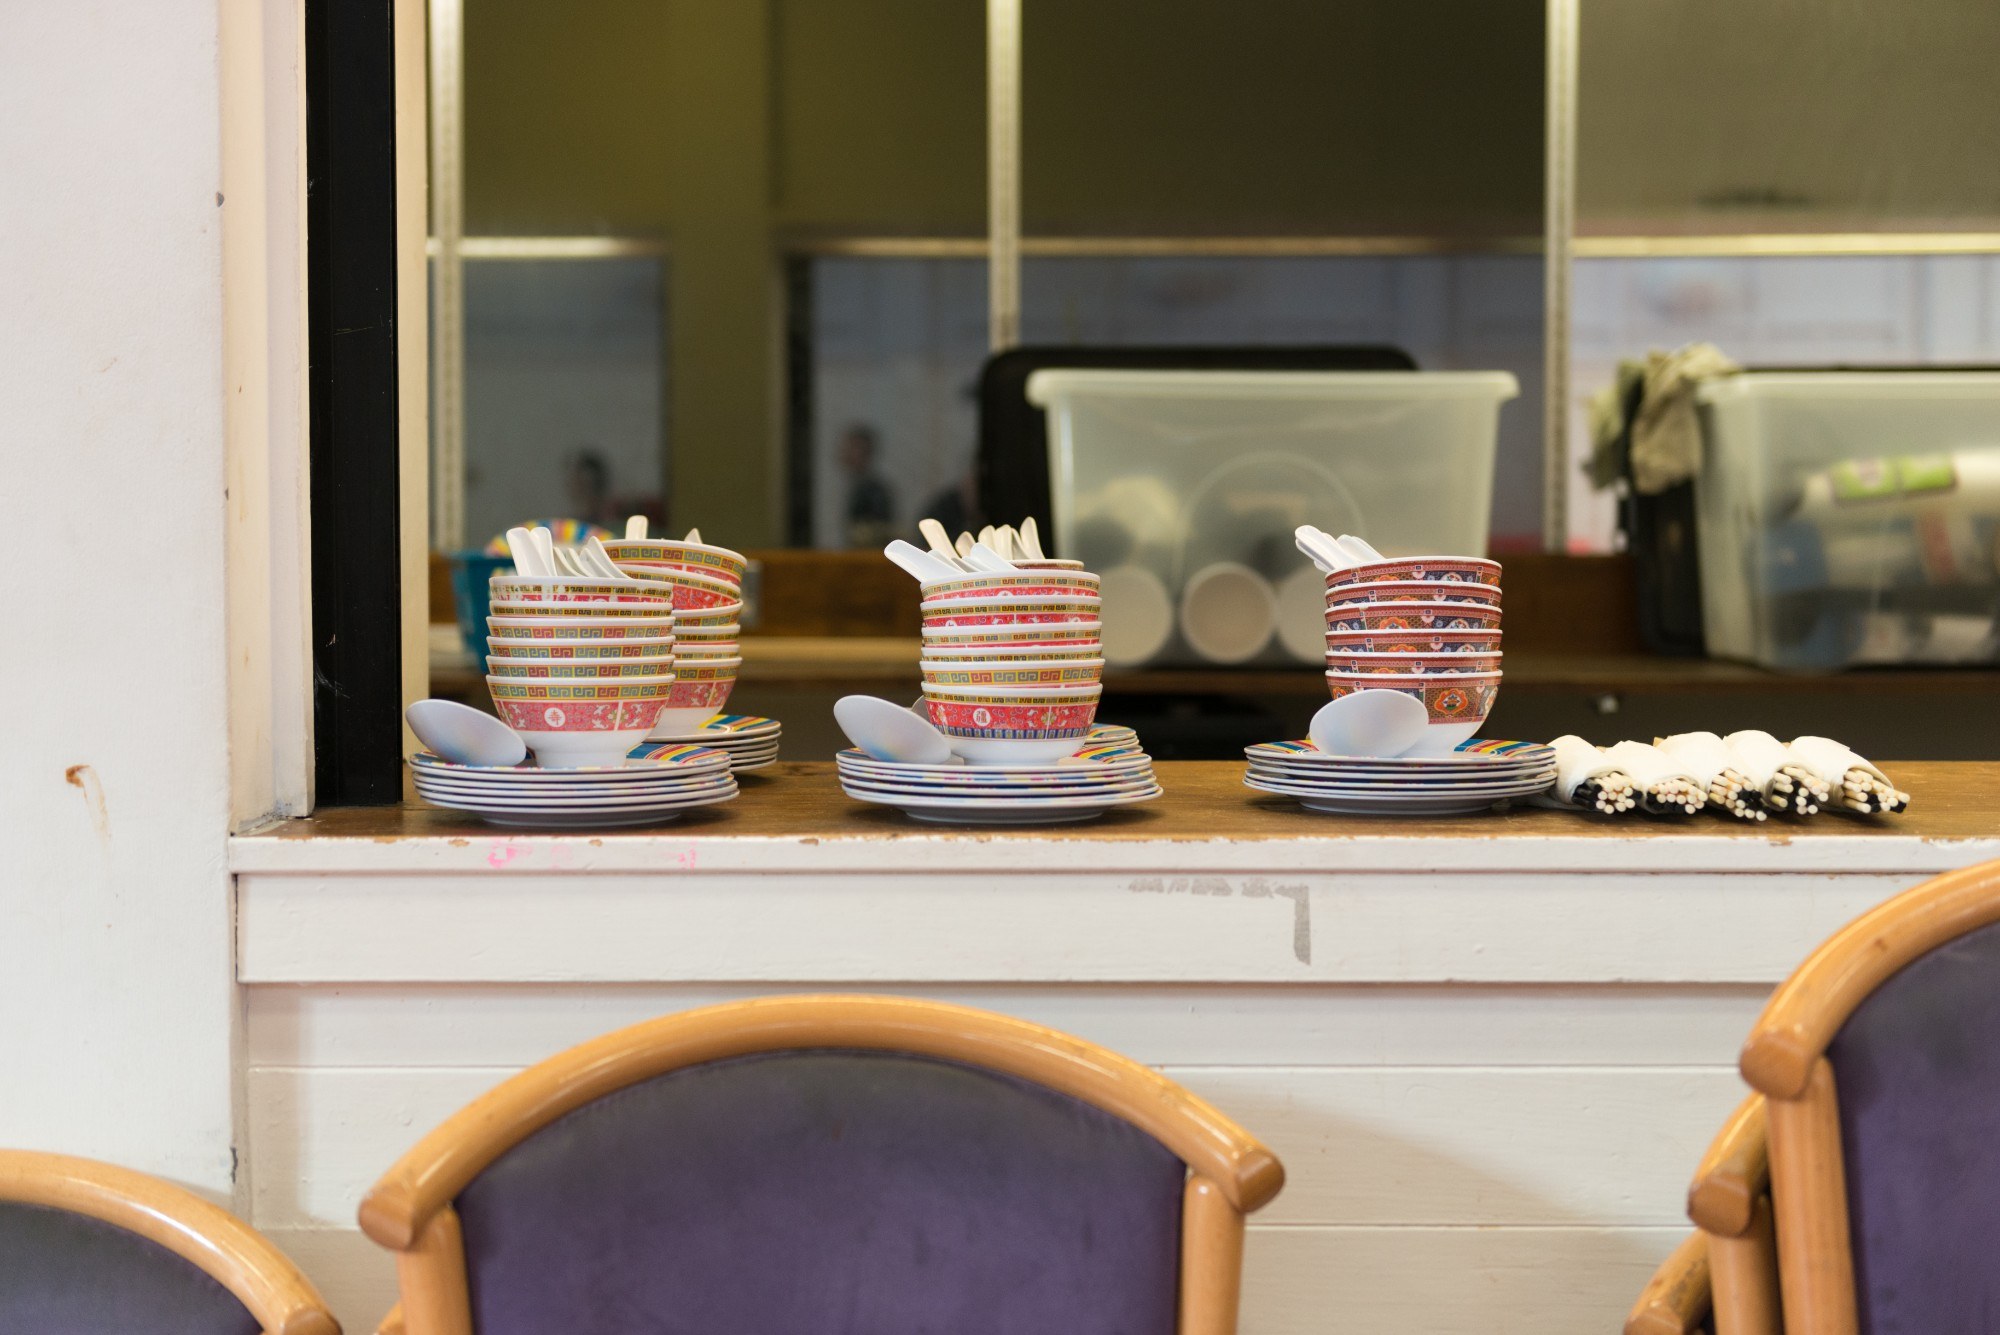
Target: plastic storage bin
1850	517
1182	488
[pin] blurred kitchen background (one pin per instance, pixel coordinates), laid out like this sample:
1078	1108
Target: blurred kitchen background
727	263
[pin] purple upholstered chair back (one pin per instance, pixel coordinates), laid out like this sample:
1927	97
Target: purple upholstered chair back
1916	1070
823	1192
70	1274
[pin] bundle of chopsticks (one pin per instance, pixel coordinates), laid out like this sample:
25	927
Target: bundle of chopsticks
1747	775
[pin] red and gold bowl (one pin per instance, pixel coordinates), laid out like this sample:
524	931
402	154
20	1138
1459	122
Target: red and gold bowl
1456	705
1415	616
1392	591
576	628
1413	642
698	558
1072	635
992	725
575	589
702	689
570	724
698	619
1051	612
1031	585
563	669
1031	672
1422	569
568	651
1066	651
1418	665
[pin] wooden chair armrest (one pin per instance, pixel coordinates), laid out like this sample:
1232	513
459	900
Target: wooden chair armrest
1676	1298
392	1324
1733	1174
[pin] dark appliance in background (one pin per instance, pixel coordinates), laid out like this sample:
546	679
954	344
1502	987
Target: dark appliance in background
1012	471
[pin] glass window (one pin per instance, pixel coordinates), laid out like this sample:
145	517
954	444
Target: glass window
565	401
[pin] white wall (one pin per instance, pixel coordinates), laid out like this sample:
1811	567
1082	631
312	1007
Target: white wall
116	999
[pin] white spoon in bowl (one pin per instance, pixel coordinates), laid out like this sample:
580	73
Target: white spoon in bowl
694	536
600	560
1360	550
888	731
964	545
939	540
1031	540
986	559
635	529
1325	552
463	735
1369	723
918	563
527	557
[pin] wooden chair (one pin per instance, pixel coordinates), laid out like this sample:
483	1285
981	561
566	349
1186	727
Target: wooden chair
1880	1062
825	1163
1724	1278
87	1248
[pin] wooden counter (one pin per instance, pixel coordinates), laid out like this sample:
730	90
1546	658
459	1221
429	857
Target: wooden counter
1489	1049
1203	801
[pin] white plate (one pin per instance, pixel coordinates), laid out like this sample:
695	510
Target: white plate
593	792
1421	802
580	820
723	792
1107	758
651	760
1342	774
1502	753
725	728
1004	792
482	802
1511	788
1003	812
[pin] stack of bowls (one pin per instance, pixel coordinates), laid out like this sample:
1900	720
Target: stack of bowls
580	666
1428	626
706	586
1013	663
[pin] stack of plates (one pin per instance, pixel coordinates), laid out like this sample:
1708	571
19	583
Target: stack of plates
1111	771
1477	775
749	740
656	783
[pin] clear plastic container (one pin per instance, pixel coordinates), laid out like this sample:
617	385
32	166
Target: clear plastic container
1188	484
1850	517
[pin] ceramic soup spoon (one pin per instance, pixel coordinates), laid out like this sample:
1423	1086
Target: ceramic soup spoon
1369	723
463	735
888	731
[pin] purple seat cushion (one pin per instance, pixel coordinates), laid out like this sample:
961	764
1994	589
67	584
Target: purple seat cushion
826	1193
1917	1070
70	1274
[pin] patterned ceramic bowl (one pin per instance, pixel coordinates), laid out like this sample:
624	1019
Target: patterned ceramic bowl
1062	635
580	628
1003	731
1049	563
1420	665
693	557
1032	672
1066	651
1417	616
699	695
1413	642
1030	585
574	589
563	669
1052	613
509	607
572	724
1390	591
692	650
697	619
1427	569
561	651
1456	705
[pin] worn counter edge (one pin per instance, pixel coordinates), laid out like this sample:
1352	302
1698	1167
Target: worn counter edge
799	821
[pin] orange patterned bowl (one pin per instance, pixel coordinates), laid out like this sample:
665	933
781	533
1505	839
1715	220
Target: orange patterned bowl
1457	705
